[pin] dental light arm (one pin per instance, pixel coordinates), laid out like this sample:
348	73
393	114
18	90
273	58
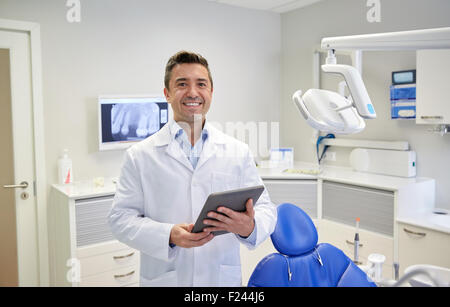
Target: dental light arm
404	40
330	112
355	84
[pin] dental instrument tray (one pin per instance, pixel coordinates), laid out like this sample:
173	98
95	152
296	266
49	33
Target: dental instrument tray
232	199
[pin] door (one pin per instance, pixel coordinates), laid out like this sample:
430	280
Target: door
19	257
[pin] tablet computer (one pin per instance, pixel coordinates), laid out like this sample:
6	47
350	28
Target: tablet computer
233	199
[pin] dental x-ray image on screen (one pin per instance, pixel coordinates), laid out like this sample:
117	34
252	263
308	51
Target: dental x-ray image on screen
124	121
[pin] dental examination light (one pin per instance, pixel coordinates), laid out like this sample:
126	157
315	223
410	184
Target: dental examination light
328	111
331	112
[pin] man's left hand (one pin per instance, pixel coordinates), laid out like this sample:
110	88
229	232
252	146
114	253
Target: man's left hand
241	223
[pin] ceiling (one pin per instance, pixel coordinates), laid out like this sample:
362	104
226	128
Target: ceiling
278	6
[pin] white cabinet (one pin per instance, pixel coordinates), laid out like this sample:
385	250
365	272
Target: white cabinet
111	264
419	245
83	251
342	236
433	102
337	197
79	237
342	204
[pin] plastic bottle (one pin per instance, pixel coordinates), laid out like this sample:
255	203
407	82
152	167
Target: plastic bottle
65	173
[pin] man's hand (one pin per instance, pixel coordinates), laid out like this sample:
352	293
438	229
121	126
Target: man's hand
241	223
181	235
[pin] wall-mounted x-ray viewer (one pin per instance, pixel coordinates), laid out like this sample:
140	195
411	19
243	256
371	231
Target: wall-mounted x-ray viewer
126	120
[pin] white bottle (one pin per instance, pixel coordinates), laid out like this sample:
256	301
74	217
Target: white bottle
65	174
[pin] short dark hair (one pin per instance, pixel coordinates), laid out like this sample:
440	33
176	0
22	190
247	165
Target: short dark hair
185	57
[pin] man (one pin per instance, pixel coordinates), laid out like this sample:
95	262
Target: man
166	179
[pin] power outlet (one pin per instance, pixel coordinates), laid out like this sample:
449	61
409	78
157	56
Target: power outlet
330	156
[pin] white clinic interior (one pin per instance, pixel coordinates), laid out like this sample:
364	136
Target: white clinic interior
260	53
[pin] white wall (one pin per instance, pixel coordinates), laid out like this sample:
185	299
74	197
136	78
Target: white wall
122	46
302	31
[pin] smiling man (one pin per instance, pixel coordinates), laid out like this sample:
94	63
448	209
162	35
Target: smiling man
166	179
188	89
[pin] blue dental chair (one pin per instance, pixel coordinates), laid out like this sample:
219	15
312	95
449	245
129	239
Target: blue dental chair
301	262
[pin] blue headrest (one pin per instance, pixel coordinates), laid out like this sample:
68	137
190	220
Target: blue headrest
295	233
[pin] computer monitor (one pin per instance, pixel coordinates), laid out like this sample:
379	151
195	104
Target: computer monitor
126	120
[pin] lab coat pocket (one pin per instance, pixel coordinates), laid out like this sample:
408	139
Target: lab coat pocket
168	279
230	276
223	182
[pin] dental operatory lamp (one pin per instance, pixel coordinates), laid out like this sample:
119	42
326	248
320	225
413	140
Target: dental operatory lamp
328	111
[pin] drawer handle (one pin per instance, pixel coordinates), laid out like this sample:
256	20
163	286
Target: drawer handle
122	257
422	234
124	275
352	243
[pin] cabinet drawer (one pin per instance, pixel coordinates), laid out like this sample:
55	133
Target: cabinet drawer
110	261
418	245
117	278
342	236
302	193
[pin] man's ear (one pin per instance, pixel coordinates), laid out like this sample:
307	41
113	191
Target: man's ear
166	93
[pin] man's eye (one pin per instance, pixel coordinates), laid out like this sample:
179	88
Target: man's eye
182	84
202	85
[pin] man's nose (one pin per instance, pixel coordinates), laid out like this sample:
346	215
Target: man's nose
192	92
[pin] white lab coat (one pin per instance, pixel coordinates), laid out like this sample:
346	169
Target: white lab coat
159	188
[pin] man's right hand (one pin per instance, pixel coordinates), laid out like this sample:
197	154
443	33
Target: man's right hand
182	236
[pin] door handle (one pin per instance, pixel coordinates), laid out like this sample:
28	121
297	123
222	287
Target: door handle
22	185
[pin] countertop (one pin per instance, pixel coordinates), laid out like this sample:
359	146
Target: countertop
87	188
429	220
339	174
422	217
305	171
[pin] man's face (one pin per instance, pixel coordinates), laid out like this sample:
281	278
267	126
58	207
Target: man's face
190	92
